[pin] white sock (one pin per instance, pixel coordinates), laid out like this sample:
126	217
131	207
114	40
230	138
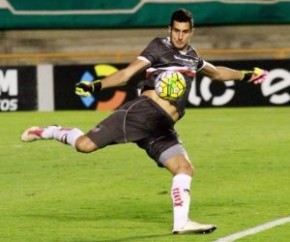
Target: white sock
49	131
64	135
180	194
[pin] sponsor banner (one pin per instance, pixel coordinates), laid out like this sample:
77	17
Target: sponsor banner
65	78
31	14
18	88
275	91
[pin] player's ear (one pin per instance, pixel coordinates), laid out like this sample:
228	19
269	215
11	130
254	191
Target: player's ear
192	30
169	29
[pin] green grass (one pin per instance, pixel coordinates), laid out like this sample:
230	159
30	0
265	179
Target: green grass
49	192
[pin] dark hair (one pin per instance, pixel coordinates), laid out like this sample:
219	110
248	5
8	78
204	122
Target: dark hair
182	15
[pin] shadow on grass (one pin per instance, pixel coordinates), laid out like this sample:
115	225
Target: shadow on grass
133	238
152	237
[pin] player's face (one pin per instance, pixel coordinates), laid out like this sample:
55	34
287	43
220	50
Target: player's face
180	34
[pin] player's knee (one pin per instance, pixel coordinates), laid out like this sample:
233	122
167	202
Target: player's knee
84	145
190	169
185	167
179	164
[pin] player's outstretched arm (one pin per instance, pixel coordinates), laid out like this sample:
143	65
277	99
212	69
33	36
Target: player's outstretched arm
221	73
118	78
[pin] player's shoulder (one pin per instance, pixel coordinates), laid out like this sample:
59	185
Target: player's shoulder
192	50
157	44
160	41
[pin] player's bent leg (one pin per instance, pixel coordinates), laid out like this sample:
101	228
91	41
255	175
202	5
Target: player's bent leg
70	136
182	170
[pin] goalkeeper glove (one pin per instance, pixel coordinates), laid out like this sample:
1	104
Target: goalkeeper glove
255	76
86	89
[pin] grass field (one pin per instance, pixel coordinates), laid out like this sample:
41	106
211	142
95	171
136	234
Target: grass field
49	192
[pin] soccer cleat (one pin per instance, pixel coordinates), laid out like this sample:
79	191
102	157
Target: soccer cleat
32	134
195	228
36	133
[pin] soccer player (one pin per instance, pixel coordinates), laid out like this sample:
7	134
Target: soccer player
149	119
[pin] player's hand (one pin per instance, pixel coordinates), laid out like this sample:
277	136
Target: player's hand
256	76
84	88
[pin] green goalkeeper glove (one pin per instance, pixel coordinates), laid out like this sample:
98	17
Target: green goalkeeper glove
256	76
86	89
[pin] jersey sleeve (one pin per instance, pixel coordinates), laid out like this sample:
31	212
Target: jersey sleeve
201	64
150	52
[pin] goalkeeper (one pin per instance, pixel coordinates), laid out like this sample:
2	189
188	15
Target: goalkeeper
149	120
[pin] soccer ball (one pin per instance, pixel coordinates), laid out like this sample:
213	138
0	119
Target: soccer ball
170	85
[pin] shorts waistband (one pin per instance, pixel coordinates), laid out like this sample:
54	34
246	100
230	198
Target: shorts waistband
156	106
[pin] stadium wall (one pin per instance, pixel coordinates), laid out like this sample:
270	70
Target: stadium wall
31	14
32	47
51	87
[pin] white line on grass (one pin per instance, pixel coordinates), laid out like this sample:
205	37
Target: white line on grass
254	230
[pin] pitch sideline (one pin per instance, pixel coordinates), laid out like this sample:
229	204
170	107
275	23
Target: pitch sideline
254	230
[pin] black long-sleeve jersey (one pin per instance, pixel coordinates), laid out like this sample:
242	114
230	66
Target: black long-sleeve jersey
163	56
